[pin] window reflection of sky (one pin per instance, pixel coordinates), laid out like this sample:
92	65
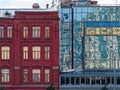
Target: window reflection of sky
102	44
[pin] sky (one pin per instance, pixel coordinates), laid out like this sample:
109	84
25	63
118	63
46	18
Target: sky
23	3
42	3
108	1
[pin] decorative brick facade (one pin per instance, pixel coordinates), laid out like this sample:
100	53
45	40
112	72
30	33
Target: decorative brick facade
16	73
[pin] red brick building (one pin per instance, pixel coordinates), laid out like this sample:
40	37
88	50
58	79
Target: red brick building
29	50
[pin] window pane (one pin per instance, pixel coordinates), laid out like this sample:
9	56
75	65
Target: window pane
36	52
36	75
103	80
47	32
98	80
103	31
25	75
90	31
5	52
36	32
9	32
47	53
5	75
118	80
25	52
82	80
72	80
97	31
1	31
47	75
25	32
62	80
77	80
87	80
67	80
93	80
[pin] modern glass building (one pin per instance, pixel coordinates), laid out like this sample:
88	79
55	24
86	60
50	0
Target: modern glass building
90	44
96	42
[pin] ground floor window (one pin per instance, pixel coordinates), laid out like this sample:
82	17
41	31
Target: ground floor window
77	80
118	80
89	80
36	75
5	75
25	75
47	75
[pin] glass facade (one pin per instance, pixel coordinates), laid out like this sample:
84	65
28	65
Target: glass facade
96	37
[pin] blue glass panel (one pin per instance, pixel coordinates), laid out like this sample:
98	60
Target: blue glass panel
99	49
84	9
102	24
77	17
90	9
77	9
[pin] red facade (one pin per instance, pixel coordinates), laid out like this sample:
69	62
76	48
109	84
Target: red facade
29	51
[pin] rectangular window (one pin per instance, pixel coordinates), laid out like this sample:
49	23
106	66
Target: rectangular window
47	32
90	31
36	32
25	32
1	31
5	53
9	32
25	75
103	31
25	52
36	52
47	52
47	75
36	75
5	75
